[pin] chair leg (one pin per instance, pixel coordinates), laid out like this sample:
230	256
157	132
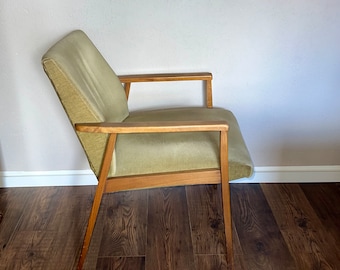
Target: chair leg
97	198
90	226
226	197
227	223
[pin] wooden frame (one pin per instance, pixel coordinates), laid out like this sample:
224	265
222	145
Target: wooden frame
201	76
214	176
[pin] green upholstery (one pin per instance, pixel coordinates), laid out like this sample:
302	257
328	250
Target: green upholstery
91	92
151	153
87	87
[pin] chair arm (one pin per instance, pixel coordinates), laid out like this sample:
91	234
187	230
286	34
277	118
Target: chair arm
152	127
200	76
168	77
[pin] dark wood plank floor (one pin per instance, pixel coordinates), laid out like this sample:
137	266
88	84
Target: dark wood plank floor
276	226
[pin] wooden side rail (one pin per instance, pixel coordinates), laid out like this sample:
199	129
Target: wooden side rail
198	177
152	127
168	77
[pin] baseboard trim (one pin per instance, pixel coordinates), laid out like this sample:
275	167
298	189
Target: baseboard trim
272	174
293	174
47	178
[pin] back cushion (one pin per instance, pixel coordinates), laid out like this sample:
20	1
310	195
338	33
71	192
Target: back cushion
87	87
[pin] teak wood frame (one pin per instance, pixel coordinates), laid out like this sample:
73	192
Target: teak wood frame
213	176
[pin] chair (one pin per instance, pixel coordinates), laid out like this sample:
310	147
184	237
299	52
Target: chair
144	149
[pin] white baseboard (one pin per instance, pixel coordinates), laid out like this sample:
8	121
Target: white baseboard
273	174
47	178
293	174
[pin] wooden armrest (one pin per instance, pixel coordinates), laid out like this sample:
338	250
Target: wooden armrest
198	76
153	127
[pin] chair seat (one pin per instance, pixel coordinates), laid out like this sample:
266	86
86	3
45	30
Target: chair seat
169	152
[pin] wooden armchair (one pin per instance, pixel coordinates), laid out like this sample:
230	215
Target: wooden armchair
144	149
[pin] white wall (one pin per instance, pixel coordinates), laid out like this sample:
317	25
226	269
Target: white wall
276	64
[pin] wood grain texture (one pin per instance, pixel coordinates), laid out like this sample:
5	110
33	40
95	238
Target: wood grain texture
43	207
206	218
30	250
261	240
69	223
301	228
239	257
121	263
12	205
322	199
169	239
125	219
204	262
275	227
50	227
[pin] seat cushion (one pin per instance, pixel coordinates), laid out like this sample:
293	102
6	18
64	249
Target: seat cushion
169	152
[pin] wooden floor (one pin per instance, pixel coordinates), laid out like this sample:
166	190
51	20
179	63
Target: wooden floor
276	226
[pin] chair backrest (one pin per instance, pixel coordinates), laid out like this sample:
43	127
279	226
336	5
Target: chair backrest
87	87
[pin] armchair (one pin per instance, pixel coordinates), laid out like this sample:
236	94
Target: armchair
145	149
